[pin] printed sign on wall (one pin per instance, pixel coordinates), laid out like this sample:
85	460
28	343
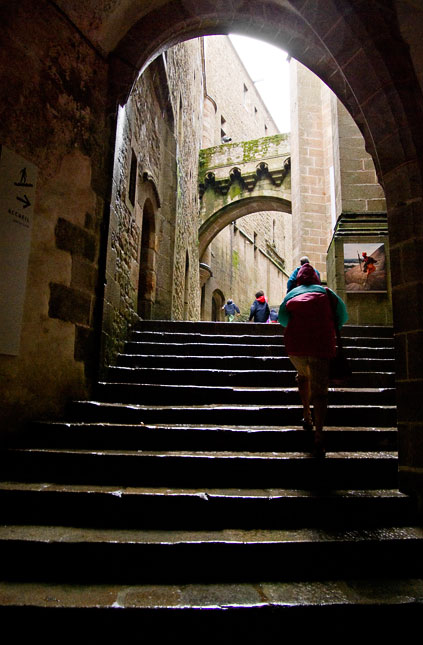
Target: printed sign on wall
365	266
17	193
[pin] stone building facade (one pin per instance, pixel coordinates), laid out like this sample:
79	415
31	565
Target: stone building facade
331	171
152	268
334	180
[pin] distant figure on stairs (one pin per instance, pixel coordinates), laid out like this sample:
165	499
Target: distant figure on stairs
259	311
231	310
292	281
273	318
310	342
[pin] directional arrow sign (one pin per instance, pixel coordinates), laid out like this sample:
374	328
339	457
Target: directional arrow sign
17	189
25	201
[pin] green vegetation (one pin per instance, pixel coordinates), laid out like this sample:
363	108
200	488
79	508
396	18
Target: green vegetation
252	150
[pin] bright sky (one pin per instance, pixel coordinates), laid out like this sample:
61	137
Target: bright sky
269	69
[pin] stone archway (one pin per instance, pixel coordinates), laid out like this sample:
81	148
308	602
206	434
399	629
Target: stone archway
235	210
358	50
218	300
259	181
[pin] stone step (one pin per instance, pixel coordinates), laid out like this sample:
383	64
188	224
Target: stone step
206	327
200	394
221	414
212	519
239	378
193	337
237	349
195	437
204	349
83	555
245	339
245	609
250	363
195	509
187	468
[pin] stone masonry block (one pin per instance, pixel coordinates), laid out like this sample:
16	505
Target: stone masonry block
415	355
90	221
69	305
397	276
84	343
84	274
411	252
408	299
376	205
362	191
75	239
359	177
409	400
405	222
410	444
401	370
354	205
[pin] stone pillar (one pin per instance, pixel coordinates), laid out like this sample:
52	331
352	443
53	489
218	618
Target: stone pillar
360	190
309	171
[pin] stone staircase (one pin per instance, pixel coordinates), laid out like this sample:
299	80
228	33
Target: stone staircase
185	496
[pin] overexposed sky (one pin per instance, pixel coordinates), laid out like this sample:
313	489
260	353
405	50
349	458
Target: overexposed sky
269	69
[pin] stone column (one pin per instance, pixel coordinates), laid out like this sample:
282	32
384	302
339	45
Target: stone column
309	171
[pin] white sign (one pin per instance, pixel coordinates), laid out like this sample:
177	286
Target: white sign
17	193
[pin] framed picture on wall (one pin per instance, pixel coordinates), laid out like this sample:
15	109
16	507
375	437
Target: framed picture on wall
364	266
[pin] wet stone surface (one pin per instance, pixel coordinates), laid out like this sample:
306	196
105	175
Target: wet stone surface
69	534
325	592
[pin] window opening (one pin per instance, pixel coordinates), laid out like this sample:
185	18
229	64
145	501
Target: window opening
132	179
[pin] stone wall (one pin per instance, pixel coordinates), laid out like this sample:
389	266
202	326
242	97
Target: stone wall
53	99
158	133
185	69
237	102
145	139
331	172
360	190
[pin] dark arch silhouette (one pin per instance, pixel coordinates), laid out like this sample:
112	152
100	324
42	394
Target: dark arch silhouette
357	49
335	43
218	300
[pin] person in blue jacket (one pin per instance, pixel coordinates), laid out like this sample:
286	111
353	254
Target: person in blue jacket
231	310
292	281
259	311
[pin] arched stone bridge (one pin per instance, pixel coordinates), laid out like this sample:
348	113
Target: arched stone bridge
236	179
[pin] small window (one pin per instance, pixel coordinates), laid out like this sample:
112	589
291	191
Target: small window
245	96
132	179
224	138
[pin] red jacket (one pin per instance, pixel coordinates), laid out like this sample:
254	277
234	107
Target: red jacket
311	330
